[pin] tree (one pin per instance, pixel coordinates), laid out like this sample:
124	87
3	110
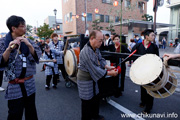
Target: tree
96	25
147	17
28	29
110	28
44	31
30	37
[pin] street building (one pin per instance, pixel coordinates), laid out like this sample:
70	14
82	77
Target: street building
78	15
55	24
174	6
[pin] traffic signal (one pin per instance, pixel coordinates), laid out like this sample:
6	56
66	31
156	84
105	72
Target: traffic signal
58	27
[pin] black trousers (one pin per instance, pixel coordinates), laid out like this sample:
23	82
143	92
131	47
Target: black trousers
146	99
49	77
1	77
17	106
62	68
123	73
90	108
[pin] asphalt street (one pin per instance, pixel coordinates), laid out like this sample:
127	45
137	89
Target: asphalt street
64	103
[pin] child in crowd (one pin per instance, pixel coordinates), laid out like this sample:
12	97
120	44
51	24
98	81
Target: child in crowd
51	67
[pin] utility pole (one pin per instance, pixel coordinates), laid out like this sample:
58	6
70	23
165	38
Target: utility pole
85	5
121	26
155	11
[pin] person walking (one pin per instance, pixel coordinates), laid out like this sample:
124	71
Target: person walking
51	69
164	42
57	47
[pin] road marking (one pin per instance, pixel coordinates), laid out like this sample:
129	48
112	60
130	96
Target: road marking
125	110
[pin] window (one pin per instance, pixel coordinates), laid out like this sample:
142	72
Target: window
65	1
141	6
117	19
106	1
89	16
97	17
128	3
65	18
111	19
70	16
107	18
179	17
82	17
100	17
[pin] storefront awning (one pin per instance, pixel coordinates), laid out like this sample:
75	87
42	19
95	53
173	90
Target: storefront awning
143	24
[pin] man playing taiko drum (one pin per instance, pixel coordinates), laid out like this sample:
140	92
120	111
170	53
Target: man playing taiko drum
146	47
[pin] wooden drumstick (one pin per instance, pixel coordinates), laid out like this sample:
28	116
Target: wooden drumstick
65	48
127	57
45	60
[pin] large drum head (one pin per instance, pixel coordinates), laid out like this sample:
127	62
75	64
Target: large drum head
146	69
70	62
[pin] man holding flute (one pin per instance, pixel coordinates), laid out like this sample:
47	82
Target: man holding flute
19	56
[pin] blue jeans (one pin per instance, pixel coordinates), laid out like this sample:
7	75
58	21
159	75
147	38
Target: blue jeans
164	46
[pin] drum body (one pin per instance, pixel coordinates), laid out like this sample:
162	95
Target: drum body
71	60
149	71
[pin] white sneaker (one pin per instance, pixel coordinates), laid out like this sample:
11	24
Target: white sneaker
1	89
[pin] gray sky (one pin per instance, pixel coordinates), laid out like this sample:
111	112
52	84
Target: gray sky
35	11
163	12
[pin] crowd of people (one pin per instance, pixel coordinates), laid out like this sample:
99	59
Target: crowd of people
19	56
143	46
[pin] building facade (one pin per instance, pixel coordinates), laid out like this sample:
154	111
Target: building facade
107	14
57	25
174	6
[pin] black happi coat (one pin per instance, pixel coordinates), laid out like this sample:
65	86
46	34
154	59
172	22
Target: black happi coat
141	50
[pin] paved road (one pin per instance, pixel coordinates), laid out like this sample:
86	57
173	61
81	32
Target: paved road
64	103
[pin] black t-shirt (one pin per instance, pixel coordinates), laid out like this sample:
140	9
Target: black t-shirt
110	47
141	50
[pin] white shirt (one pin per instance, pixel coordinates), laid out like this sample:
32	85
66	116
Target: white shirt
107	41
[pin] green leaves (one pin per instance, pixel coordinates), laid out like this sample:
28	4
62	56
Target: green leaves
44	31
147	17
28	29
96	26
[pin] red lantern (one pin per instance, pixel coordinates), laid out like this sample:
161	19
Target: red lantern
115	3
96	10
77	16
84	14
